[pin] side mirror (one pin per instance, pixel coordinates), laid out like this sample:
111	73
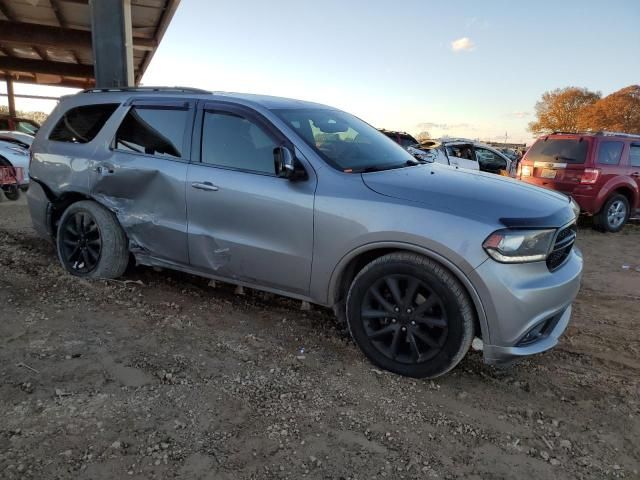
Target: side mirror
286	164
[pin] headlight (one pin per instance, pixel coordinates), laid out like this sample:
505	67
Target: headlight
575	207
19	151
519	246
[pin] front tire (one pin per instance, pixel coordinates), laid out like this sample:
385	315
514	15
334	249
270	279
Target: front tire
90	242
613	215
409	315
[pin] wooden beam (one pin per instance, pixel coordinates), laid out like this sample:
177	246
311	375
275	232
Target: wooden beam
64	82
31	97
63	23
11	96
13	64
6	11
21	33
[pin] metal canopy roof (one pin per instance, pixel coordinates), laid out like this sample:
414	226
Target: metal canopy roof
49	41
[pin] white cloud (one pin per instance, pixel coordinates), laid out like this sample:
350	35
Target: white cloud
520	114
463	44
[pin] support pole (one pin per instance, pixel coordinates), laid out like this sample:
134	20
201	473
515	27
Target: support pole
112	43
11	96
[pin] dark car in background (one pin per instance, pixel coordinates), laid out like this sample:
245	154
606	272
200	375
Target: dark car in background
16	124
599	170
401	138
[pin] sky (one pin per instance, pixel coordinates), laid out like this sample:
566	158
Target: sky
454	68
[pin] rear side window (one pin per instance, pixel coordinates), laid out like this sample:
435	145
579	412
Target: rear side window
609	153
563	150
82	124
153	131
232	141
634	155
4	124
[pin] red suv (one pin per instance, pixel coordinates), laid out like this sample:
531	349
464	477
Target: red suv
601	171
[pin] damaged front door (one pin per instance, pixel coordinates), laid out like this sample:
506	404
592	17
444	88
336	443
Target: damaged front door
245	223
142	178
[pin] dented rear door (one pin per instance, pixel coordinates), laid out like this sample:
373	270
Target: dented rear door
141	177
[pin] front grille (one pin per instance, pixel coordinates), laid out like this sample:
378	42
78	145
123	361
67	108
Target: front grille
562	247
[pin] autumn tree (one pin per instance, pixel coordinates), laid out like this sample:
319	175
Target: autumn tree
559	110
618	112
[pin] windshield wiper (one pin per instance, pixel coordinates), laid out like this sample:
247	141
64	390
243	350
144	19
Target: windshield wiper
380	168
566	159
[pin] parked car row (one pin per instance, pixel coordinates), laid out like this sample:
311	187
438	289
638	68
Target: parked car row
14	153
16	136
307	201
459	152
600	171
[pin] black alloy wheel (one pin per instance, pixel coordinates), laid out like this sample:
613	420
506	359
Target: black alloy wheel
81	243
404	318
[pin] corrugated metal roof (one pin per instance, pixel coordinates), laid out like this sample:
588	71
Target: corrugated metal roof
32	53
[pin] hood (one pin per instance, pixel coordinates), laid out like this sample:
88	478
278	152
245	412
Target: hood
474	195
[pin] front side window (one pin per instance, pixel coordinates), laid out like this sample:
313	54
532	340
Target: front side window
153	131
464	152
82	124
345	142
232	141
609	153
634	155
489	160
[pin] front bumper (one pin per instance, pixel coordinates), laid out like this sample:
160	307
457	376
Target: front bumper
520	297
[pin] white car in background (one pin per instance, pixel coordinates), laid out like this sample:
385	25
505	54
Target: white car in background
464	153
14	152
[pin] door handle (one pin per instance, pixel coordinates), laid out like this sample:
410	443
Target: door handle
635	174
105	169
207	186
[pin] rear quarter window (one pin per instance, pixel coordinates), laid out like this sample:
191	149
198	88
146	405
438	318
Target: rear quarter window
563	150
82	124
609	153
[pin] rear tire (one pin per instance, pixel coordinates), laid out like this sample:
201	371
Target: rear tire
410	315
613	215
90	242
12	194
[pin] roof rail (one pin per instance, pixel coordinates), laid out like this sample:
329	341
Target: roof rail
603	133
570	133
617	134
146	89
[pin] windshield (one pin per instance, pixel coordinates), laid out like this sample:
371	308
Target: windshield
564	150
26	127
344	141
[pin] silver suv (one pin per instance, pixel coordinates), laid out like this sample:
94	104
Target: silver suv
311	202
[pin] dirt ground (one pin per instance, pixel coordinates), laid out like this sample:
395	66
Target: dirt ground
163	376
